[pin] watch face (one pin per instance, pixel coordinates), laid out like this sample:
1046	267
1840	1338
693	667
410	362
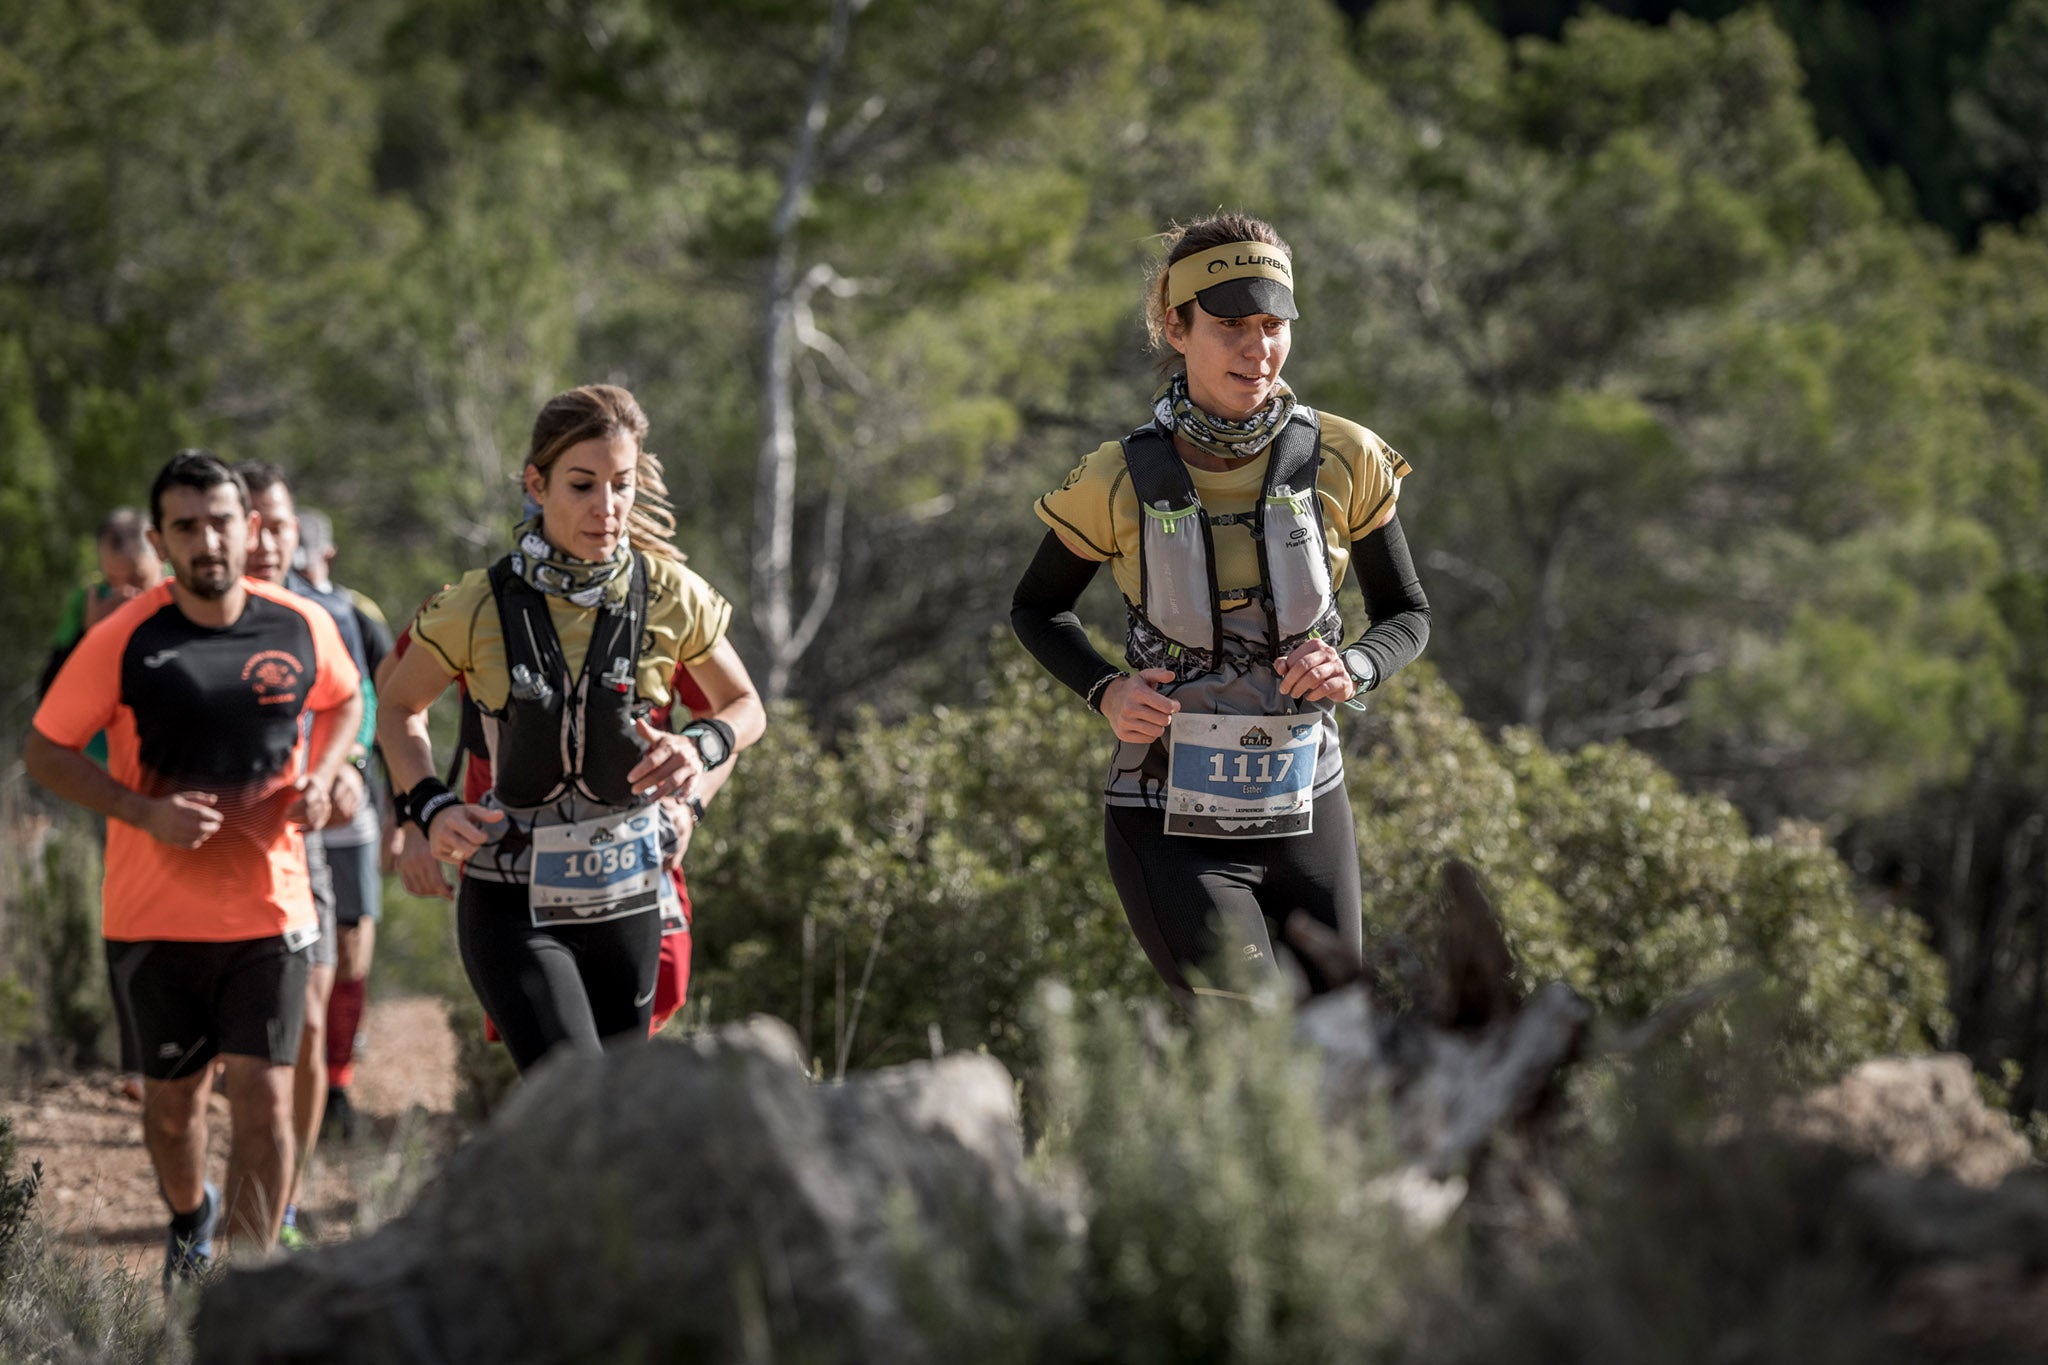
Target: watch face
710	744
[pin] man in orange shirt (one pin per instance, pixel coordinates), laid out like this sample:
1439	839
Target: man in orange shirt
200	684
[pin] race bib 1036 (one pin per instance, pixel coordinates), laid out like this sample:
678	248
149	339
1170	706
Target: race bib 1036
597	870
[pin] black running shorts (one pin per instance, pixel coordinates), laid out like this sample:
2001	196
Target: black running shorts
191	1002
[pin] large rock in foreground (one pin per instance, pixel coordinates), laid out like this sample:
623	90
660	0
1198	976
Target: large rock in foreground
673	1202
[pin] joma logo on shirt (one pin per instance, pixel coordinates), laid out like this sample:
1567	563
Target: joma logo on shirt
274	676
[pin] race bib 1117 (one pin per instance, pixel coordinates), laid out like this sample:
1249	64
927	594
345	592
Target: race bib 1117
1241	777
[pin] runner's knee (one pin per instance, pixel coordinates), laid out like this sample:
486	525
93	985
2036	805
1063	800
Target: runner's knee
259	1093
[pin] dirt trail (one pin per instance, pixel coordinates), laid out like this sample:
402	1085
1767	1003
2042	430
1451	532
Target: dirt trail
98	1191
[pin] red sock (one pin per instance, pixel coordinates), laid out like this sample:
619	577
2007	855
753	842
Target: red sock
344	1014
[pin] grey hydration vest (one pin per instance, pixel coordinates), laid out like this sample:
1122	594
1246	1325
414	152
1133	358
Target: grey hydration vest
1177	622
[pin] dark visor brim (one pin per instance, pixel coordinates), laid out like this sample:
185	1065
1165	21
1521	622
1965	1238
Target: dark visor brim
1248	296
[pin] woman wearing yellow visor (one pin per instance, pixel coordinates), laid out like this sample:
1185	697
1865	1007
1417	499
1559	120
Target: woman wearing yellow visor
1229	520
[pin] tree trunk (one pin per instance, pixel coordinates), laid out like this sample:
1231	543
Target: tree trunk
774	608
1546	622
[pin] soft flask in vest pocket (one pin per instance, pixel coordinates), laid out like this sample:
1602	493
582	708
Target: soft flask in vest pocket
557	733
1296	563
1178	623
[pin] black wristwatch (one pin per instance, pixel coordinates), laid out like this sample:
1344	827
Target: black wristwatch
1359	665
696	805
713	738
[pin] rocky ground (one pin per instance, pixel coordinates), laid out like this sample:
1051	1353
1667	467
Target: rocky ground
98	1192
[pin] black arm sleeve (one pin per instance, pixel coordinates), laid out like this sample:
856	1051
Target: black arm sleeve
1042	614
1393	600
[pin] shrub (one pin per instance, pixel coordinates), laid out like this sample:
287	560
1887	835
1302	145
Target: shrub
1698	1236
61	1308
1223	1221
923	875
54	1003
1610	877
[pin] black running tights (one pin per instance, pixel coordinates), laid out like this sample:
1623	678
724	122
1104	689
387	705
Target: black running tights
582	985
1195	902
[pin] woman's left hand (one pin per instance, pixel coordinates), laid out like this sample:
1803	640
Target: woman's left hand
685	822
670	767
1315	672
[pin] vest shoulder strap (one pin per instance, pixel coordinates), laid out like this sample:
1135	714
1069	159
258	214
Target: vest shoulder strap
1157	474
1297	453
527	629
517	599
636	602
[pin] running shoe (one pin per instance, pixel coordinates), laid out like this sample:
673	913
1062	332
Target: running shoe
188	1257
341	1121
290	1237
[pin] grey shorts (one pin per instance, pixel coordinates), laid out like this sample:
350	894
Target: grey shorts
358	886
322	953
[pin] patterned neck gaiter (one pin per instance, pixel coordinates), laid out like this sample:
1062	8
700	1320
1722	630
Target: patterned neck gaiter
585	582
1220	436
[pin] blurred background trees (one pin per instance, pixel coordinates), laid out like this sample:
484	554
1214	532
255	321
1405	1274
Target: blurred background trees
1718	336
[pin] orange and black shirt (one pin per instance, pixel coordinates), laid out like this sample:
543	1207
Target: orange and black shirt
192	708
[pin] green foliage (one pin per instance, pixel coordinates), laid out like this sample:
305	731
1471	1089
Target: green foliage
1609	876
926	874
922	877
17	1192
57	1307
1696	1235
54	1005
1224	1221
1933	99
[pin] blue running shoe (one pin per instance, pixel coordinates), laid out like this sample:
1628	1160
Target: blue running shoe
187	1257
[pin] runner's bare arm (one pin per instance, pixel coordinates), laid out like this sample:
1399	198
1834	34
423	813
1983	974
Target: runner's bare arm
406	686
707	786
676	769
334	730
386	666
730	690
410	688
183	819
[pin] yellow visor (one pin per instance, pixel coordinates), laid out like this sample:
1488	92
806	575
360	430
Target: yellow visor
1234	280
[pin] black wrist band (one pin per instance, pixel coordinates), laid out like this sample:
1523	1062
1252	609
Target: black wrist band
429	797
722	742
1093	700
696	805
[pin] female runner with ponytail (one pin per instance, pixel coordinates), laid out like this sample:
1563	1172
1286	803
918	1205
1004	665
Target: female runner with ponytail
1229	520
567	644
